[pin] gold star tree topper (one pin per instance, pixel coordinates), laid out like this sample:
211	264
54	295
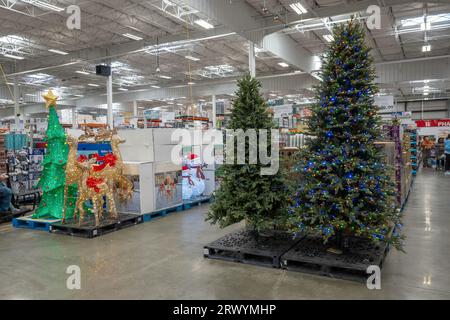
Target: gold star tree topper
50	99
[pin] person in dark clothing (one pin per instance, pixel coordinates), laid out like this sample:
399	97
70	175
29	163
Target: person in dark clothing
447	155
5	194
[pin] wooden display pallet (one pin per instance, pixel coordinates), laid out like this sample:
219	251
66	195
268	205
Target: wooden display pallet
89	230
310	255
242	246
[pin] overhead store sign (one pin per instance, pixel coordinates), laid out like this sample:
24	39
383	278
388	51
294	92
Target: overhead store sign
385	103
402	114
433	123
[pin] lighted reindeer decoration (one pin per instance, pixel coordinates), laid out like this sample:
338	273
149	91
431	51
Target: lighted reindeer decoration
72	171
112	169
94	189
96	181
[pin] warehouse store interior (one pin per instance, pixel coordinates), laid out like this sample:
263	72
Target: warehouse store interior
120	121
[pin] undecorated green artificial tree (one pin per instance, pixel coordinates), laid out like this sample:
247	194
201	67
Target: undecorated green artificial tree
346	188
53	176
245	194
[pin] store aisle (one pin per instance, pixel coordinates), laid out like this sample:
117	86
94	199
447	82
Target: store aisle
163	259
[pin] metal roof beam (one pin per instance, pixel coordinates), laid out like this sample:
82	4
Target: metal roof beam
239	17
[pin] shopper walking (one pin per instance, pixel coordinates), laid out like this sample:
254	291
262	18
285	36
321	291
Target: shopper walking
447	155
427	145
440	154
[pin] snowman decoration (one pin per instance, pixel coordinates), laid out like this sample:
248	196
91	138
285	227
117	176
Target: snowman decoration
197	176
187	184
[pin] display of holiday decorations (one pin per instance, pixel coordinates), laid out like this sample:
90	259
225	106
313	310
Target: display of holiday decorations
196	171
187	185
346	187
96	179
245	194
53	178
193	184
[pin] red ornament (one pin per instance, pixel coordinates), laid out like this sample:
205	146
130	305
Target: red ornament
93	183
108	159
82	158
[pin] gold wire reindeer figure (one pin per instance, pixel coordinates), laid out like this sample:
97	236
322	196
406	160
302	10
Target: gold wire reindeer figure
73	172
94	189
113	173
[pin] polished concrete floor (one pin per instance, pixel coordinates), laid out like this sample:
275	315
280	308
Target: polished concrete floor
163	259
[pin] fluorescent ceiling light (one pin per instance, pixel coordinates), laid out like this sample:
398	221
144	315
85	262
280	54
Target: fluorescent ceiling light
204	24
58	51
425	26
122	89
156	87
82	72
283	64
132	36
165	77
13	56
192	58
191	83
328	37
93	85
44	5
426	48
426	93
298	8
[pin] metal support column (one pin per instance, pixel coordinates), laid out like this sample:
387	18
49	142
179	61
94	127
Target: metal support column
251	59
109	101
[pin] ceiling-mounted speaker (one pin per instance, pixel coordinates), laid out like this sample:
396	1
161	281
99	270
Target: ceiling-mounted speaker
103	70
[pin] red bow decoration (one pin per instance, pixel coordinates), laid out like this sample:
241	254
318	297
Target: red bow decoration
108	159
82	158
93	183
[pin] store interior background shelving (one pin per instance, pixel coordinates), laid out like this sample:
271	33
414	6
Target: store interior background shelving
183	56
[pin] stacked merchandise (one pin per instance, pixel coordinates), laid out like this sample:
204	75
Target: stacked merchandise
291	138
403	170
25	168
3	168
414	149
406	173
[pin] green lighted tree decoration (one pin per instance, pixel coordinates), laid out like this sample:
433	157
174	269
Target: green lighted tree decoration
245	194
346	188
53	176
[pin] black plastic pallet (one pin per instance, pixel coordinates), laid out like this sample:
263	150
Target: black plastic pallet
88	229
9	216
242	246
310	255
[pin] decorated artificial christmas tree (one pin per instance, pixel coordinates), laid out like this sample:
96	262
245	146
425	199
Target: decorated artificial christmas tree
53	176
345	187
245	194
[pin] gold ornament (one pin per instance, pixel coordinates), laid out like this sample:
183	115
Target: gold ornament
50	99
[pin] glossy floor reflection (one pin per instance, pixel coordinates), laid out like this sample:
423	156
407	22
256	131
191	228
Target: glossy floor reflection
163	259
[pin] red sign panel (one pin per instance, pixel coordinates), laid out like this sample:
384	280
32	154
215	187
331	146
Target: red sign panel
433	123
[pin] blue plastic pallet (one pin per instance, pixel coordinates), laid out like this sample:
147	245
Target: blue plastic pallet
34	224
161	213
189	204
